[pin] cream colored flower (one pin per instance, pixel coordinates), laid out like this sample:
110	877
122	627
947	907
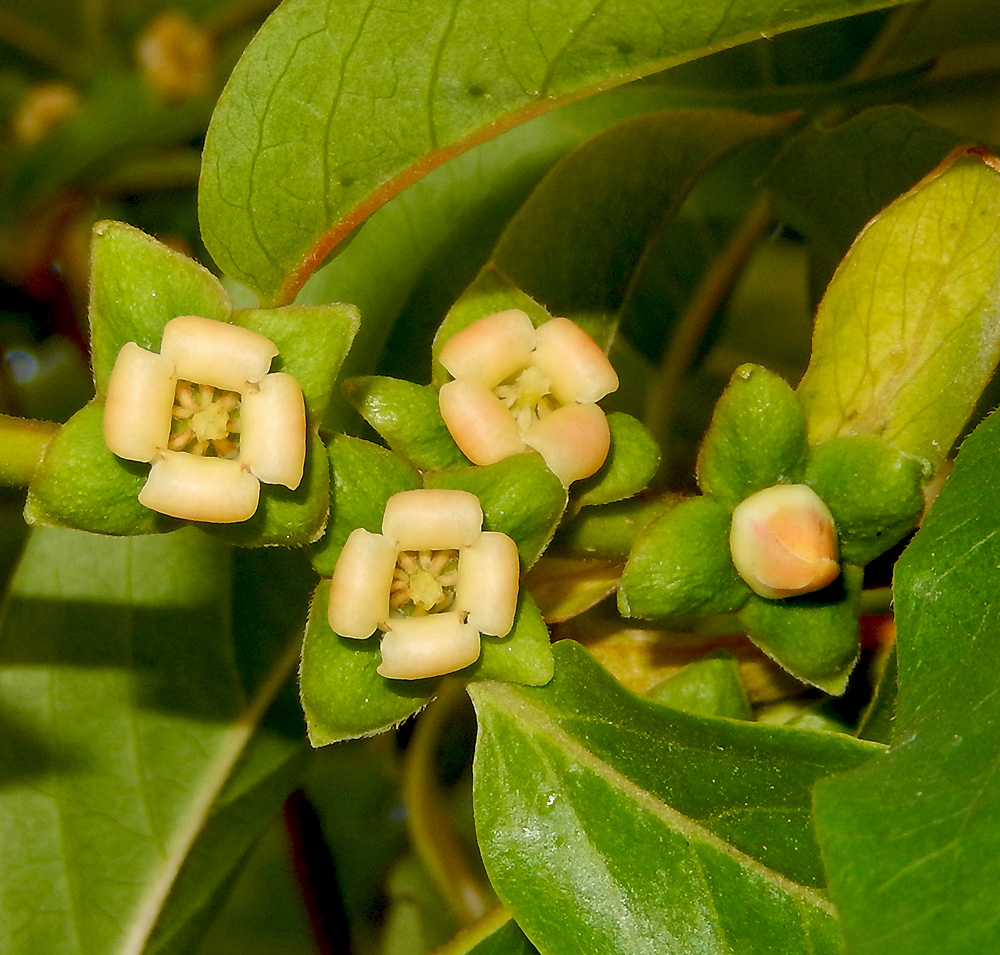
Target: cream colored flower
433	581
208	417
518	387
784	541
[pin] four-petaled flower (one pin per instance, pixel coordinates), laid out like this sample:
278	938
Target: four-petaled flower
517	387
208	417
433	581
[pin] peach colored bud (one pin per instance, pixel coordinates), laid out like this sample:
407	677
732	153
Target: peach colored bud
44	107
175	56
784	541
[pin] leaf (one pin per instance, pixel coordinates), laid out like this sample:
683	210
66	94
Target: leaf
364	477
151	757
874	492
756	438
911	842
292	166
710	686
815	637
567	586
520	497
407	416
680	564
630	465
648	829
907	334
608	532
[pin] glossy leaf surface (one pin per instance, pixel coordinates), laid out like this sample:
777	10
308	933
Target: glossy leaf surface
911	842
632	821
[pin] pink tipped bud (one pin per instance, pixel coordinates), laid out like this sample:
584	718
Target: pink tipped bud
784	541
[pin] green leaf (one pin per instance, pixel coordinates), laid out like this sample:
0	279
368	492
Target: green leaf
815	637
907	334
630	465
312	342
342	694
146	756
711	686
291	167
520	497
137	285
757	438
680	564
578	258
609	532
80	483
407	416
912	844
364	477
873	491
689	833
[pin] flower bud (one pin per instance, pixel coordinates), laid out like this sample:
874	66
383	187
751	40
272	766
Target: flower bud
784	542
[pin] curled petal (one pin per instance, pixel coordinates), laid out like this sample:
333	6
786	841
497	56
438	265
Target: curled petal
481	424
783	541
417	647
273	431
574	441
139	402
216	353
432	519
487	583
194	488
359	591
491	349
573	362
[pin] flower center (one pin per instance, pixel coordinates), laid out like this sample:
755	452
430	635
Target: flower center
205	420
423	582
528	394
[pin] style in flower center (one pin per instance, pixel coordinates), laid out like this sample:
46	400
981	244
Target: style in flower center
528	394
423	582
205	420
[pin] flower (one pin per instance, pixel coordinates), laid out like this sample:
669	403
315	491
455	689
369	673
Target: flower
517	387
783	541
208	417
433	581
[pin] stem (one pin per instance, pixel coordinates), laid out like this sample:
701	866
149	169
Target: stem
42	46
693	324
431	829
22	441
470	936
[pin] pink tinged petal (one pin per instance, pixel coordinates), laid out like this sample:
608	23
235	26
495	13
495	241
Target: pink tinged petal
137	412
432	519
194	488
784	542
573	362
418	647
216	353
481	424
487	583
574	441
491	349
273	431
359	591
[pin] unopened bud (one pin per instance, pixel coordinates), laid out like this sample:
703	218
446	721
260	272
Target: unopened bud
784	541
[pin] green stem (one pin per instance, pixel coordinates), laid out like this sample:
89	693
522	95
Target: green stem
476	932
43	47
712	291
22	442
430	826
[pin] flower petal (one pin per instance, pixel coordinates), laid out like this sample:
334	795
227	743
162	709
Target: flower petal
273	431
573	362
488	573
359	591
432	519
481	424
216	490
139	402
491	349
417	647
574	441
216	353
